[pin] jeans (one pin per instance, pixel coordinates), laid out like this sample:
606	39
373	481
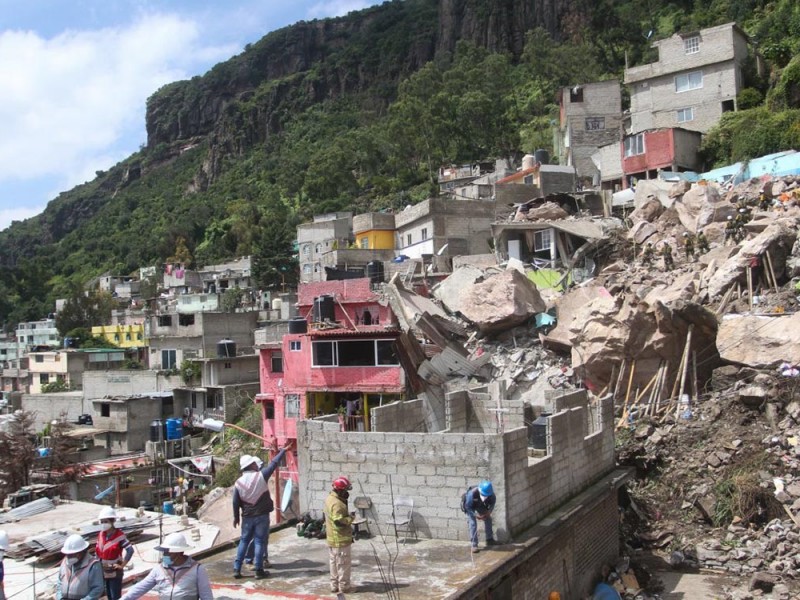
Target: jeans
114	587
472	520
256	530
251	551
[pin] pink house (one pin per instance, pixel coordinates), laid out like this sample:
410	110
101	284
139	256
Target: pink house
337	359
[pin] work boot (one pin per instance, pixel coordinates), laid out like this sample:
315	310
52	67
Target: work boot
475	549
492	543
267	564
237	574
262	574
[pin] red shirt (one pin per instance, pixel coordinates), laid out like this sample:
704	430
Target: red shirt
110	546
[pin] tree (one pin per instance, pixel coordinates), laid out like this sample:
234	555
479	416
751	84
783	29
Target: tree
16	441
62	468
182	255
84	310
273	261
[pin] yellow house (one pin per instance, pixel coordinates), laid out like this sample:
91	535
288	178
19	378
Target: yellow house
124	336
374	231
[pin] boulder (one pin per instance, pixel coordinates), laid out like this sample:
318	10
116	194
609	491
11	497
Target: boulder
778	239
759	342
501	302
641	231
679	188
549	211
450	291
652	188
700	199
566	307
648	212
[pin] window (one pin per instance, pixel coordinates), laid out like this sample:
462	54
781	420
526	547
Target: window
576	94
595	123
386	353
365	243
39	358
306	249
689	81
323	354
269	410
424	233
542	240
357	354
634	145
691	45
728	106
185	320
116	337
528	180
276	363
128	337
307	269
291	405
194	400
685	114
44	379
164	320
169	359
138	336
295	345
227	365
105	409
408	240
318	248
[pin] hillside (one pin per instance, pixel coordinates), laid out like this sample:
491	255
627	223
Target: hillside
354	112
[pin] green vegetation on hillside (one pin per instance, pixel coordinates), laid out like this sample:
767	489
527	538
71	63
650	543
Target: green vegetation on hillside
328	115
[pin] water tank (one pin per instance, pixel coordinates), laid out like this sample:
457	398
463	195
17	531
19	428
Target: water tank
85	420
542	156
537	432
226	349
168	508
174	429
528	161
277	303
324	309
375	271
157	431
298	325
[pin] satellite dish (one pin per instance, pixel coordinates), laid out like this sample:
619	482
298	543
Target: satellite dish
286	499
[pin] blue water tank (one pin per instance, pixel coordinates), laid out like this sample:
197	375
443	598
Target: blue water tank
168	508
174	429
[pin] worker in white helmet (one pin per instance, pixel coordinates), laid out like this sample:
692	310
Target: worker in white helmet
178	577
114	551
80	576
3	548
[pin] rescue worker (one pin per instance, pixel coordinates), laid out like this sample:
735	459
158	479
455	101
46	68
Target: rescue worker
251	496
251	549
479	505
80	576
339	535
763	202
647	254
3	548
702	243
177	577
666	254
730	230
688	246
111	545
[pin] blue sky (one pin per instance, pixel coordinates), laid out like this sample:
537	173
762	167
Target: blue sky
75	75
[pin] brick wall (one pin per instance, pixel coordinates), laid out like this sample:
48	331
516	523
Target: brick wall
398	416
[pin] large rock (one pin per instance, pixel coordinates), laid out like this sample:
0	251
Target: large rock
700	199
549	211
566	308
608	330
641	231
648	212
451	290
778	239
501	302
653	188
759	342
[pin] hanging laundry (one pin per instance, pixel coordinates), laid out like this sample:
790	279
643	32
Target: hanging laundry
168	270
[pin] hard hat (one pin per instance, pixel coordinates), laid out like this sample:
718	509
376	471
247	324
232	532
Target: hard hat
685	234
485	488
730	217
742	210
245	461
342	484
259	462
3	540
174	542
107	513
74	544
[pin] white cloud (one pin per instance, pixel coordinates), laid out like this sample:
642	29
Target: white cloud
17	214
75	103
336	8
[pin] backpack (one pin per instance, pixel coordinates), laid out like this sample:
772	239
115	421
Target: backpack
464	498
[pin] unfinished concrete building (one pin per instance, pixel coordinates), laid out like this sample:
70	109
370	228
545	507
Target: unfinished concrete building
484	437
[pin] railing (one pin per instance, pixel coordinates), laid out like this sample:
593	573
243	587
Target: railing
353	423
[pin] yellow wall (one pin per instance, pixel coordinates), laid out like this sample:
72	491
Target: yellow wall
124	336
377	239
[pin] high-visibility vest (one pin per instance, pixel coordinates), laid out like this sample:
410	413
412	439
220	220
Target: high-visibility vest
75	579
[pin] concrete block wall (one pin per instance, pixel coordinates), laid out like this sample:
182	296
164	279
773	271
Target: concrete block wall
433	468
49	407
398	416
457	411
99	384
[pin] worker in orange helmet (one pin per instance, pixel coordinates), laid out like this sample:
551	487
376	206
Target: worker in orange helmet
339	535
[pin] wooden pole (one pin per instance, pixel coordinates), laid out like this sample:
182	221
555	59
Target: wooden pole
624	415
685	368
771	271
750	287
694	376
619	379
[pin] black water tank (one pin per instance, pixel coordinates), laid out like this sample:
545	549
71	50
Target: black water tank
375	271
298	325
158	431
226	349
542	156
537	432
324	309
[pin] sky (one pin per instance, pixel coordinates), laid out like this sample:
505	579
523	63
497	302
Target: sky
75	76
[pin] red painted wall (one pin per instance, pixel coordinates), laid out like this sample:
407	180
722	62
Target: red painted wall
659	153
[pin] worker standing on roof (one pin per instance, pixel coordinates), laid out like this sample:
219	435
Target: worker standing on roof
3	548
479	505
111	545
251	496
339	535
80	576
178	577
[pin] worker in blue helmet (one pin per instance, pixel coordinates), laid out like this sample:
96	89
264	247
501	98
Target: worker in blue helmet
479	505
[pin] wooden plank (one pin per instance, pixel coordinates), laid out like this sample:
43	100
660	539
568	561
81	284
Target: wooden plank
772	272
